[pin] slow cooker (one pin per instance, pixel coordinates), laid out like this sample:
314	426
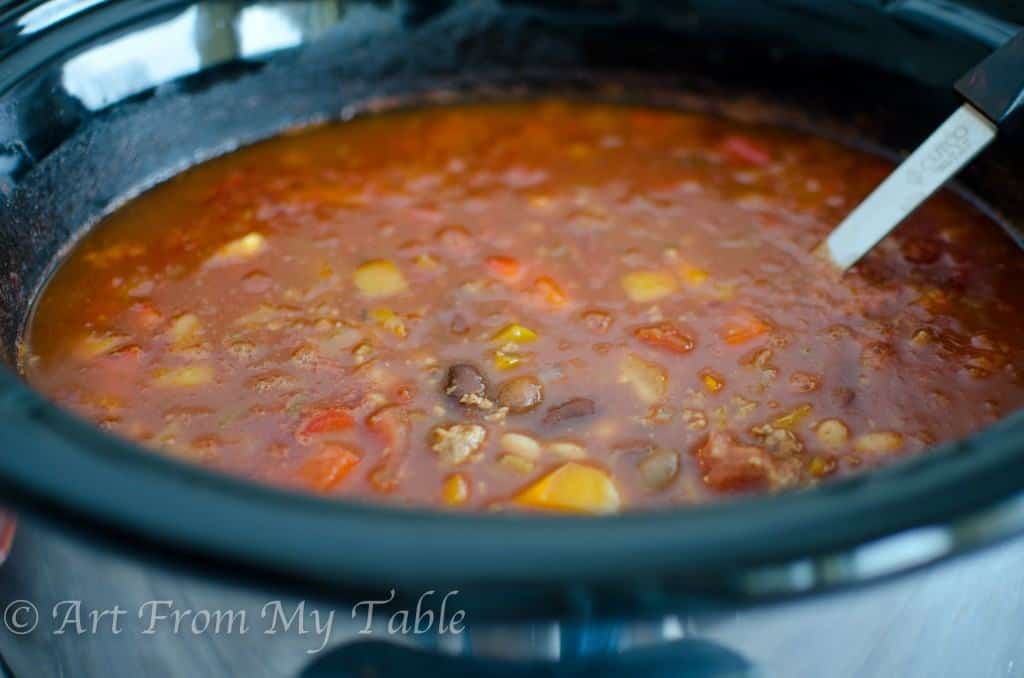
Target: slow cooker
101	100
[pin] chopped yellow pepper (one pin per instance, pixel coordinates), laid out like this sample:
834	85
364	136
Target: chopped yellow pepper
506	361
878	442
515	334
645	286
242	248
455	490
183	377
692	275
426	262
379	278
712	382
94	345
184	329
573	487
793	417
389	320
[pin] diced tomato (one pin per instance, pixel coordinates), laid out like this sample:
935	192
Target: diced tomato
146	316
921	250
426	216
742	327
383	477
665	336
745	149
506	268
456	241
731	467
647	120
392	424
328	467
126	355
232	185
328	420
120	366
549	291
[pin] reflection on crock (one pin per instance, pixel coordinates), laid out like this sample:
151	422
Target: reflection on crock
201	36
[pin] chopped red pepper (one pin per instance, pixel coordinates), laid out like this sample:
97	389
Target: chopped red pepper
550	291
328	420
665	336
328	467
743	327
745	149
506	268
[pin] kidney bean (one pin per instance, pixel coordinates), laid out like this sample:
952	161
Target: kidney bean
570	409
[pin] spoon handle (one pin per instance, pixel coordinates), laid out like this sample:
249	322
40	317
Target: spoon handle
994	93
996	85
950	147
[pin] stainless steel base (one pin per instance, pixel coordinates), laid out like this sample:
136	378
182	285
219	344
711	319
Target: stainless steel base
961	618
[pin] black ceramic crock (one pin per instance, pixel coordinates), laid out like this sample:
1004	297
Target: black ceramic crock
100	100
